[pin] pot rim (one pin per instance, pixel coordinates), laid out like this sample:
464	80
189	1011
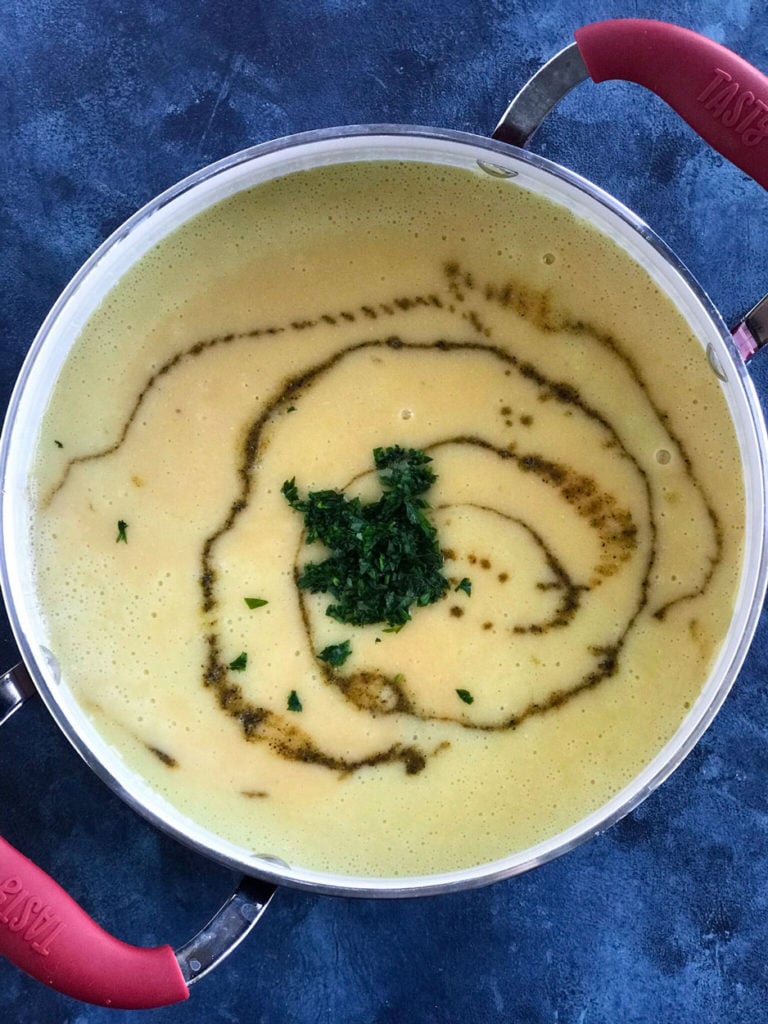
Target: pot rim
753	583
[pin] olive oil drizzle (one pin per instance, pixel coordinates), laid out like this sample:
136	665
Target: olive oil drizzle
369	689
536	307
376	692
570	601
401	304
373	691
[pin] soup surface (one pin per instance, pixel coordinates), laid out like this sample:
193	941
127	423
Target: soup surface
588	505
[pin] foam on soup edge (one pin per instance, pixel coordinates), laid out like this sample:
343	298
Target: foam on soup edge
589	486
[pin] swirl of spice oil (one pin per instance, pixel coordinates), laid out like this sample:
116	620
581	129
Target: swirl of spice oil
380	693
259	724
372	691
535	306
376	692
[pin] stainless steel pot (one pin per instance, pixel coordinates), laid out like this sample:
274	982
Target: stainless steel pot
40	928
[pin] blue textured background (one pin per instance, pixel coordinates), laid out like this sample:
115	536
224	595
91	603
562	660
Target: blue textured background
104	103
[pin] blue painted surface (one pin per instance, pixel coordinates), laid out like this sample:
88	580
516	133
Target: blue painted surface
103	103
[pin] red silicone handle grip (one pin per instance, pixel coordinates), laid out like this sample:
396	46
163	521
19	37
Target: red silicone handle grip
719	94
43	931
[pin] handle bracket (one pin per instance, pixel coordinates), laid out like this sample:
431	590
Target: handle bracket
538	96
16	686
752	332
226	929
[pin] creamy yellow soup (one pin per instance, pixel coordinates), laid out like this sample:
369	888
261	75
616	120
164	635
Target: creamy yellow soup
588	505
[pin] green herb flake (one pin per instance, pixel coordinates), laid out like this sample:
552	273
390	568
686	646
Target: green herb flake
290	492
240	662
255	602
294	704
336	654
466	696
58	443
466	586
291	408
122	534
384	555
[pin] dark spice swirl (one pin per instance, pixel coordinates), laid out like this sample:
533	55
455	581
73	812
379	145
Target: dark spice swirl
615	527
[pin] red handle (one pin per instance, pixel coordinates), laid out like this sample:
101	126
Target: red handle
719	94
45	933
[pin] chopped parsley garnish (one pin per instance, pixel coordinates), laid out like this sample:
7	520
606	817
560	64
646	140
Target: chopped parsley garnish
122	535
466	696
291	408
336	654
466	586
384	555
294	704
238	665
58	443
255	602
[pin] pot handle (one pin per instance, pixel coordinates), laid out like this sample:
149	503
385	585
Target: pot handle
15	688
45	933
718	93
